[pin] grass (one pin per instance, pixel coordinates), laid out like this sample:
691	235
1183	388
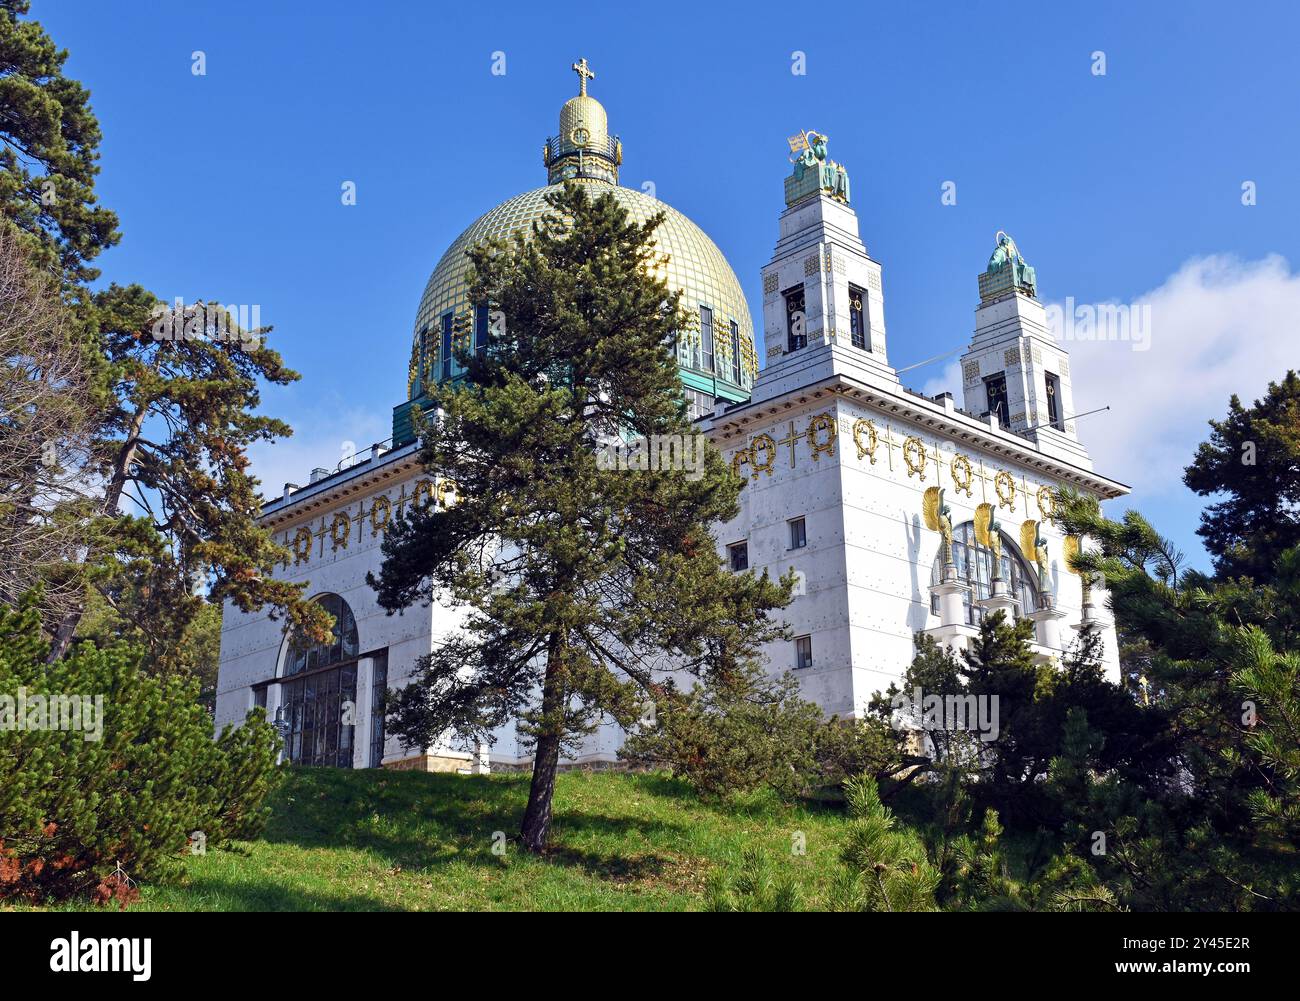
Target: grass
372	840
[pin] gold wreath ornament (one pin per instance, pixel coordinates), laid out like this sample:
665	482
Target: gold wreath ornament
1047	502
1006	488
864	425
962	474
763	443
915	465
381	511
301	545
822	423
340	538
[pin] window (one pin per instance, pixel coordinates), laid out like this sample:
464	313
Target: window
796	332
320	685
698	404
803	652
445	354
996	388
706	338
975	567
422	361
857	320
1054	401
378	688
738	553
798	534
259	697
480	328
735	353
315	706
305	655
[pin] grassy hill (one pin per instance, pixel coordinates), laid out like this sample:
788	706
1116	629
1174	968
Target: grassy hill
374	840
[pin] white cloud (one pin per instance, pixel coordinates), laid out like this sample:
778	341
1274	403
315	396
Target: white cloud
1219	326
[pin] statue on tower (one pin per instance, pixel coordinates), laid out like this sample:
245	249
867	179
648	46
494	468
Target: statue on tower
1006	258
813	170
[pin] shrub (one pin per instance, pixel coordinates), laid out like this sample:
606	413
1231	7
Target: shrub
75	813
754	731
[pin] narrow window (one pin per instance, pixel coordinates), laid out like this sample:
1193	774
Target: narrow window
480	328
857	321
422	360
996	388
739	554
798	534
378	689
445	354
1054	401
796	332
706	338
735	353
803	652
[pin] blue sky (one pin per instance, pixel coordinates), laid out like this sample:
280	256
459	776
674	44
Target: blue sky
1118	188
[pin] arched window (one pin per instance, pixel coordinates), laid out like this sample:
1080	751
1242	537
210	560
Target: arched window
319	692
306	655
975	566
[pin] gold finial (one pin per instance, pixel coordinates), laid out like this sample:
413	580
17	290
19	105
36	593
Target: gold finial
584	74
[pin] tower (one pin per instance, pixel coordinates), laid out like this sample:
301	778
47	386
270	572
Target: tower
823	308
1015	373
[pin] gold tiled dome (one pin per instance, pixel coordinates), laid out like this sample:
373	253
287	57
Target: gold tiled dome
695	264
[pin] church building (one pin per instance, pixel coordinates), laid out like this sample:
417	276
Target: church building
900	513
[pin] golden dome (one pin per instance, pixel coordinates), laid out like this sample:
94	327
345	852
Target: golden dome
584	152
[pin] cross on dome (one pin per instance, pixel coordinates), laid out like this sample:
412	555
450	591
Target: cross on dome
585	73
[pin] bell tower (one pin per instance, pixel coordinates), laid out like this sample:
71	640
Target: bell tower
823	305
1015	373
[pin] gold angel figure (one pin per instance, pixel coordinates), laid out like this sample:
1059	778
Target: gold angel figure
1033	545
938	518
983	516
1071	549
988	534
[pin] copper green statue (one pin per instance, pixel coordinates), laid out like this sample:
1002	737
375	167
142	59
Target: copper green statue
1007	255
831	177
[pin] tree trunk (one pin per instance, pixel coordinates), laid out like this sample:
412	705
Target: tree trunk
546	755
112	497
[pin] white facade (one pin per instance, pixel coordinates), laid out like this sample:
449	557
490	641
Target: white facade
830	436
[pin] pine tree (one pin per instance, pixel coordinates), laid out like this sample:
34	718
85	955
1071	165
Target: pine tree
177	503
577	581
1218	826
1252	462
886	866
131	786
50	150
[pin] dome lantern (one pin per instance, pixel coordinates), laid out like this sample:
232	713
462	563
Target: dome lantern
583	149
